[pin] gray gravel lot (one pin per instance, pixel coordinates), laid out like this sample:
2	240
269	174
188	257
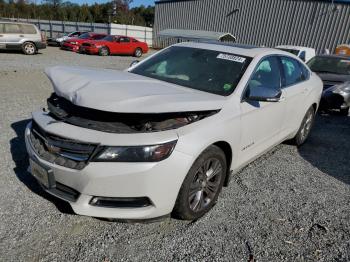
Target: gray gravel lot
289	205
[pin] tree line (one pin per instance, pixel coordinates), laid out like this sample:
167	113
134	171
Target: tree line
117	11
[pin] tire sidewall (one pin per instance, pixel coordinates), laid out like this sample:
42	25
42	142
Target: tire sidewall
182	207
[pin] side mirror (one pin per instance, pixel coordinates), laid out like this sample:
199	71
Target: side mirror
263	94
134	63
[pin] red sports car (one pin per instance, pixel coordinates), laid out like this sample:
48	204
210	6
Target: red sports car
115	44
73	44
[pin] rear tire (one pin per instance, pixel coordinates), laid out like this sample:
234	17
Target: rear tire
305	127
202	185
29	48
138	52
103	51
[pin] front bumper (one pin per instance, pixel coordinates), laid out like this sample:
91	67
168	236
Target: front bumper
89	50
159	182
332	100
70	47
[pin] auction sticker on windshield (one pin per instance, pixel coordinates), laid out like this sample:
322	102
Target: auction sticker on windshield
233	58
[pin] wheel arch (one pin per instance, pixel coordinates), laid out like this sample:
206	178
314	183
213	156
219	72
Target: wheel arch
227	149
29	42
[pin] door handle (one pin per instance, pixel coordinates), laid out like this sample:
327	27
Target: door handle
21	35
1	35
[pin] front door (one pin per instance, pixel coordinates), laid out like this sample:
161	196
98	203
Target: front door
261	122
2	37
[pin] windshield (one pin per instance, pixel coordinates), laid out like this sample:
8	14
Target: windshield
332	65
205	70
292	51
84	36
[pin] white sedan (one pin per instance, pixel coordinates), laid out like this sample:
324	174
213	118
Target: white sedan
164	136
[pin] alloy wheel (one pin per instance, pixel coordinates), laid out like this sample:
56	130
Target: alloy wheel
304	132
29	49
205	185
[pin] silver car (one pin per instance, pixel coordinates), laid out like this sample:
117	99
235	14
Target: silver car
21	36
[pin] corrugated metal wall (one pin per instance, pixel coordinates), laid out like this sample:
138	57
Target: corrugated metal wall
317	24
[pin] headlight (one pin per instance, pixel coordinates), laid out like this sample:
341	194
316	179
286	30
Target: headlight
341	88
74	43
153	153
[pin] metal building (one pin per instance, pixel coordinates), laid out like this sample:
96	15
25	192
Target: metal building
314	23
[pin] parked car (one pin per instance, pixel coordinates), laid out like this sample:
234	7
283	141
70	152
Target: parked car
164	136
21	36
112	45
343	50
73	44
334	71
304	53
59	40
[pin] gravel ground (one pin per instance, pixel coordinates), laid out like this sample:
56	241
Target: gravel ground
289	205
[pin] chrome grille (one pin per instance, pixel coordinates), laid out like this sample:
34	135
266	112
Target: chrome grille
61	151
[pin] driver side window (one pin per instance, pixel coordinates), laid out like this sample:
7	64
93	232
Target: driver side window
266	76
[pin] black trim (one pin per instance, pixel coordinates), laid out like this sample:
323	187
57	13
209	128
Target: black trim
120	202
64	192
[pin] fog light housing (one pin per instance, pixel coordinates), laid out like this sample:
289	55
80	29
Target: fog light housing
121	202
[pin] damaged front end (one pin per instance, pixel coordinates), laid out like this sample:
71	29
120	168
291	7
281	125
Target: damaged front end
63	110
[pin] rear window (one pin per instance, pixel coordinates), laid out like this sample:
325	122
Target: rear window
12	29
28	29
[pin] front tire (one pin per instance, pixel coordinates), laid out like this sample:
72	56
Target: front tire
305	127
104	51
202	185
29	48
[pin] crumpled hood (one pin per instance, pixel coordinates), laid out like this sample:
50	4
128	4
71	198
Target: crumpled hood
124	92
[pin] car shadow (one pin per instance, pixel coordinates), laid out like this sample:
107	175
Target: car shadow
328	147
16	52
20	157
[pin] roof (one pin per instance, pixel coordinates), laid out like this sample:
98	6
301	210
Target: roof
245	50
197	35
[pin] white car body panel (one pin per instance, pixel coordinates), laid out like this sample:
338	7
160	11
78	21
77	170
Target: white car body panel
248	129
309	52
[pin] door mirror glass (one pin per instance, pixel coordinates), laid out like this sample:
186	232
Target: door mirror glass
302	56
133	63
264	94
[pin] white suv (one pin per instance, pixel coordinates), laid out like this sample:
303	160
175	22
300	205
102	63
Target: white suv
165	136
21	36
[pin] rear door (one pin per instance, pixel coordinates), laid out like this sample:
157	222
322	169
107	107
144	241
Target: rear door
29	32
294	86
